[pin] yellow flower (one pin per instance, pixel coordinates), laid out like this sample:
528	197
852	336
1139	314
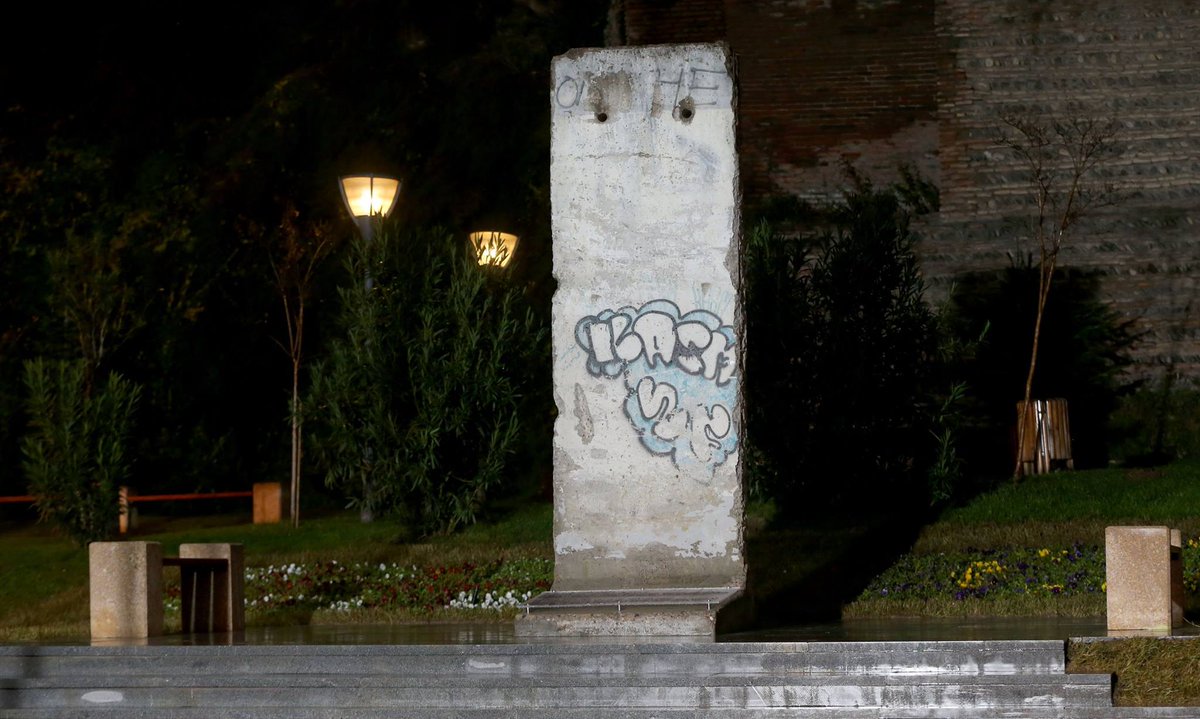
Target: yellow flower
1043	552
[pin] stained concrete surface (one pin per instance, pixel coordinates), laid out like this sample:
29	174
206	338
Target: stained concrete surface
864	630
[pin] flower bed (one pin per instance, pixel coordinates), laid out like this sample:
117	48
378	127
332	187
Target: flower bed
991	573
997	574
346	588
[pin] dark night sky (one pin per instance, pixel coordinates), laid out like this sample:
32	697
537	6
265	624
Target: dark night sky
122	64
139	76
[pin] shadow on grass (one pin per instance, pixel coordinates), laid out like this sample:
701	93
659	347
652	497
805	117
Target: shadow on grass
805	572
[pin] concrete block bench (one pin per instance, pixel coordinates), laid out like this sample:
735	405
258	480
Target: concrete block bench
126	597
1144	574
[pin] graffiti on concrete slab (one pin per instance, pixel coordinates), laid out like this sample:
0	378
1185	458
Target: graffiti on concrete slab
680	374
674	85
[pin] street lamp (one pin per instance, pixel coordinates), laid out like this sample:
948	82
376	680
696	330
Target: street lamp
493	248
369	198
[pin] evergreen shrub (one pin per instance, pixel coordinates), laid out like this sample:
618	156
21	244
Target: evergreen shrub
417	408
76	452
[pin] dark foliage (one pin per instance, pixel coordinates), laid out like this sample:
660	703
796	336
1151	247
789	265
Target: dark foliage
76	454
165	164
417	410
840	353
1157	423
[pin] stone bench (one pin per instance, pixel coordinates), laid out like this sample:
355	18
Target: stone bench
126	595
1144	575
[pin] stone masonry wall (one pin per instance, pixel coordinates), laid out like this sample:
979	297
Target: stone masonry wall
820	84
881	83
1137	64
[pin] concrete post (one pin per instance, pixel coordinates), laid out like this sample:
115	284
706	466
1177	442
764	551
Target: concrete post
268	502
127	517
1144	577
125	589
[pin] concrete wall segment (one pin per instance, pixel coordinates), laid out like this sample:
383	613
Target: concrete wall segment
647	329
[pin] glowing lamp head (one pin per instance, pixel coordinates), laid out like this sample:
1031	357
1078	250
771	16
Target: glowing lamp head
492	248
369	195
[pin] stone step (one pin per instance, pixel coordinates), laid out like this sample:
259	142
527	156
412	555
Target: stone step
352	712
458	692
1021	679
613	660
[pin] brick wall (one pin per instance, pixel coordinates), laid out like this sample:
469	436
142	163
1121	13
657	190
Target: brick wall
880	83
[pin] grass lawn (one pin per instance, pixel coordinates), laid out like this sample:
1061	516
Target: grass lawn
1149	671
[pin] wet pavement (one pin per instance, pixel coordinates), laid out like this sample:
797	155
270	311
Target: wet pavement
863	630
937	629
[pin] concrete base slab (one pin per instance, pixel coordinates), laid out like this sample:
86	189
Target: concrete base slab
674	612
633	623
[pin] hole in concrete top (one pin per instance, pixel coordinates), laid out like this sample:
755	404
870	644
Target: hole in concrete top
601	117
686	110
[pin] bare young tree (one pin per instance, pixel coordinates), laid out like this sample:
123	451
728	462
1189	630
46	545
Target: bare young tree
1061	159
297	251
95	297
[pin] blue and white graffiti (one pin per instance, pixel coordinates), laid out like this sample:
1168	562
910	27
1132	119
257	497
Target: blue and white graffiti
680	376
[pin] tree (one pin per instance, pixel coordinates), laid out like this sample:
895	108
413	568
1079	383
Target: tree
22	275
297	251
1061	159
1083	351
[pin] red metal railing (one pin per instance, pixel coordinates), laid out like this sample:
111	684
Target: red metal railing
29	499
127	497
176	497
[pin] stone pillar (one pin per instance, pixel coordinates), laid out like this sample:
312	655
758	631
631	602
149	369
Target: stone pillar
125	589
268	502
1144	577
647	332
127	517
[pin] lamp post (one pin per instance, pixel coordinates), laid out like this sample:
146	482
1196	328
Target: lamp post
493	248
368	198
